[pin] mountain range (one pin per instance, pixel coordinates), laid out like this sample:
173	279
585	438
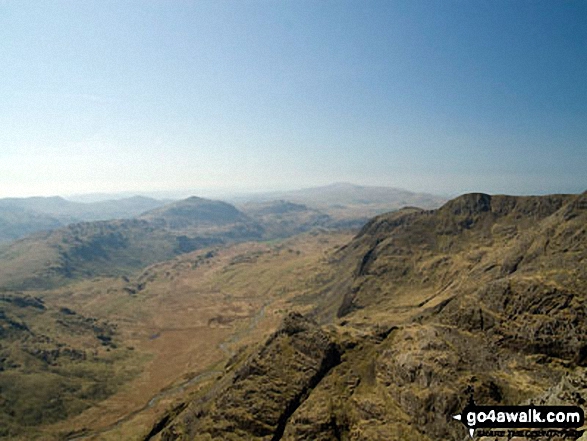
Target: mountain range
137	236
199	320
484	296
20	217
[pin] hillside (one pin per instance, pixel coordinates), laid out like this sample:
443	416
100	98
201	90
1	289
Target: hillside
55	363
169	329
17	222
120	247
486	294
283	218
20	217
347	203
198	215
83	250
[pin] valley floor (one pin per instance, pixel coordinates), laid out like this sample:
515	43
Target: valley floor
184	319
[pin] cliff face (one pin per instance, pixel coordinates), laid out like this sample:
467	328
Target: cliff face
485	295
260	397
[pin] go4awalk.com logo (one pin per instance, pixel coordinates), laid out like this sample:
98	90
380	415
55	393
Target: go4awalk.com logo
516	417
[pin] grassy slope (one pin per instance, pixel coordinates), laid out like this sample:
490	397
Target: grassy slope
83	250
54	363
20	217
185	318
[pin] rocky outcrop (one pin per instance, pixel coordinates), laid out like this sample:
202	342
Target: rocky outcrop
265	390
484	296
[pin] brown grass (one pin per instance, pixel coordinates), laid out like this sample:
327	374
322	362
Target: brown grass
192	314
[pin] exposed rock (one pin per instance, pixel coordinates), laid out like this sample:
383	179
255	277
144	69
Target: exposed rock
265	390
484	296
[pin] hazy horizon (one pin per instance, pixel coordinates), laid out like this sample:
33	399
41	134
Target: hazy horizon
233	97
233	195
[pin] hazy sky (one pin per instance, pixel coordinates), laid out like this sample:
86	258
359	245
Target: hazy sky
441	96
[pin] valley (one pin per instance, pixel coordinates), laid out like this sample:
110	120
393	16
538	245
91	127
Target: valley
323	334
179	321
293	220
483	296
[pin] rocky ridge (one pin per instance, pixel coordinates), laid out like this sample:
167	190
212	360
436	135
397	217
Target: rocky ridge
485	295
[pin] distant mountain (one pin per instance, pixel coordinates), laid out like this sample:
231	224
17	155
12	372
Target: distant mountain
283	218
120	208
345	194
22	216
195	212
347	205
336	205
147	231
17	222
67	211
119	247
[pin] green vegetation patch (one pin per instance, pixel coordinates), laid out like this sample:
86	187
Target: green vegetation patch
54	363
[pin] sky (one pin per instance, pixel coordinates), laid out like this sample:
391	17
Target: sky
438	96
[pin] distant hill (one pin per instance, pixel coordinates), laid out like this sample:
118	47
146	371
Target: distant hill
349	194
17	222
347	204
283	218
195	212
20	217
120	208
119	247
66	211
147	231
333	206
